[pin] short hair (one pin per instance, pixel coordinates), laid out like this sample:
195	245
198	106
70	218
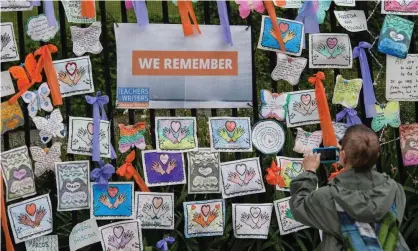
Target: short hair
361	147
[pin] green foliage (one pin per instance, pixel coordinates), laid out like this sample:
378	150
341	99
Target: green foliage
307	239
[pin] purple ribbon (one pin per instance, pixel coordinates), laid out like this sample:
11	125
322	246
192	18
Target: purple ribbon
368	91
102	174
350	116
48	10
128	4
223	17
98	103
163	244
49	13
141	12
307	15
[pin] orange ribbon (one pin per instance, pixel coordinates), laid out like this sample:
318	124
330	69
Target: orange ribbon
272	14
9	243
88	8
273	177
128	171
336	172
26	78
45	63
328	134
186	12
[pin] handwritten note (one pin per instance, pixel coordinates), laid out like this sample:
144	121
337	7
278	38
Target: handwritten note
84	234
38	28
288	68
86	39
352	20
43	243
6	82
306	141
350	3
402	78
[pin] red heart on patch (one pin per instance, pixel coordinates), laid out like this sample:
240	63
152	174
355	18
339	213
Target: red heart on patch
306	98
71	67
283	27
230	126
31	209
205	210
112	191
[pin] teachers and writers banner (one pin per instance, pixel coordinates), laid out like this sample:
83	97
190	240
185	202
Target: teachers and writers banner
159	68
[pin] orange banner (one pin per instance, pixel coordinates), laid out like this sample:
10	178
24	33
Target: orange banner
185	63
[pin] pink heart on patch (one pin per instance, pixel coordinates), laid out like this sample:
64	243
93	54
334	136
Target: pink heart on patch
332	42
230	126
90	128
175	125
205	210
306	98
283	27
19	174
71	67
118	231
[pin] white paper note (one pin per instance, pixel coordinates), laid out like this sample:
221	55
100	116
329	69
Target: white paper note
350	3
43	243
352	20
402	78
7	87
38	28
84	234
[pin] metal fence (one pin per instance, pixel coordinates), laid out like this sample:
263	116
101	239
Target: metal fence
104	75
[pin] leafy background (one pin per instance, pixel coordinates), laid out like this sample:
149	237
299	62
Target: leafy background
104	75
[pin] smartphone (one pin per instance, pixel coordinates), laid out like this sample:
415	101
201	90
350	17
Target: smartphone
328	154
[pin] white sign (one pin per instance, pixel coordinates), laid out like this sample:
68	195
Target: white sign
38	28
15	5
352	20
349	3
6	82
84	234
159	68
43	243
402	78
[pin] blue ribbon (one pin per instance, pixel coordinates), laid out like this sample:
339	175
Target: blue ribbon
98	103
141	12
223	17
48	10
307	15
368	91
163	244
350	116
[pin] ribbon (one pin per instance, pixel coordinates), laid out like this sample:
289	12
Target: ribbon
186	11
336	172
350	116
4	224
141	12
35	3
280	3
163	244
102	174
368	91
328	134
88	8
99	113
128	171
128	4
45	63
307	15
273	177
50	13
224	19
273	18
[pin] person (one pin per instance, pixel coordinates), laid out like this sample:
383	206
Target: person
360	209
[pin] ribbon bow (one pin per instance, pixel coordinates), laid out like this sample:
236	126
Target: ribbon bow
186	13
328	135
224	19
48	10
98	103
272	14
45	63
350	116
307	16
368	91
163	243
102	174
128	171
140	9
273	177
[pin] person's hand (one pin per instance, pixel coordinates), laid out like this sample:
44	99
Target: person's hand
311	161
